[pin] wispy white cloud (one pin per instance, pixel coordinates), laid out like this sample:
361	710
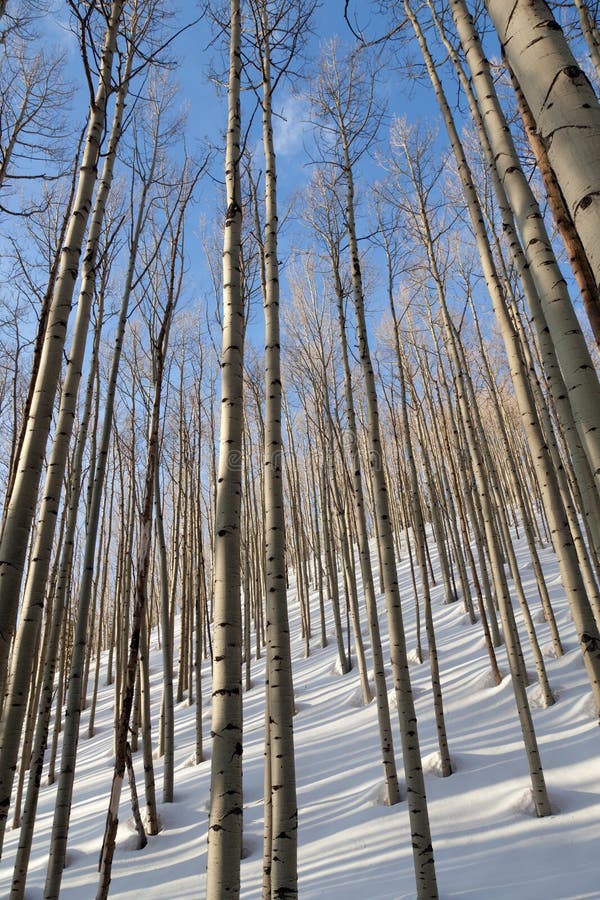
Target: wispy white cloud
290	126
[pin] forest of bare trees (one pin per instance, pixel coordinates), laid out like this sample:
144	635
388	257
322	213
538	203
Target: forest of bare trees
237	380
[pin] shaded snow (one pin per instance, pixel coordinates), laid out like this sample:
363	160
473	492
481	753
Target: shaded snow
488	843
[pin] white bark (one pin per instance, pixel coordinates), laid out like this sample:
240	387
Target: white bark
381	693
580	608
567	115
225	827
37	574
21	507
60	826
590	33
283	819
511	638
348	122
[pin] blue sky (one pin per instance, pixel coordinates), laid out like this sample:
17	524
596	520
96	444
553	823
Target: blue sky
194	59
207	111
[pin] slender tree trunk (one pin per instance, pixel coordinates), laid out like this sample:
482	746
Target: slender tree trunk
17	441
567	115
22	503
58	626
579	605
138	644
37	575
590	32
62	810
417	805
381	693
167	649
284	813
332	579
225	827
420	541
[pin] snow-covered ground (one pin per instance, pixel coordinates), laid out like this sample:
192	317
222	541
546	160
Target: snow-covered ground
488	843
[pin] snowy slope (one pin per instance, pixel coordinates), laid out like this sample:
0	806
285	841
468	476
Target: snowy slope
488	844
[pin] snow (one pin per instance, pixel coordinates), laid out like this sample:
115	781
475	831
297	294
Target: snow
488	843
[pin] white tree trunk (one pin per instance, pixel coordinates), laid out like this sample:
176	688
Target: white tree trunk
590	33
21	507
37	574
283	823
567	115
563	104
580	608
225	827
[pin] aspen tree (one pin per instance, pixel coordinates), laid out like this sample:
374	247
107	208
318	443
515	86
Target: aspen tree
315	345
421	218
103	591
143	685
225	825
589	29
21	506
346	536
254	465
283	824
439	490
37	573
567	115
317	550
173	275
330	230
39	652
58	618
418	522
71	736
201	624
507	544
311	468
403	503
345	104
480	580
519	490
326	490
576	253
247	554
586	627
127	447
520	493
563	104
53	245
138	649
297	531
